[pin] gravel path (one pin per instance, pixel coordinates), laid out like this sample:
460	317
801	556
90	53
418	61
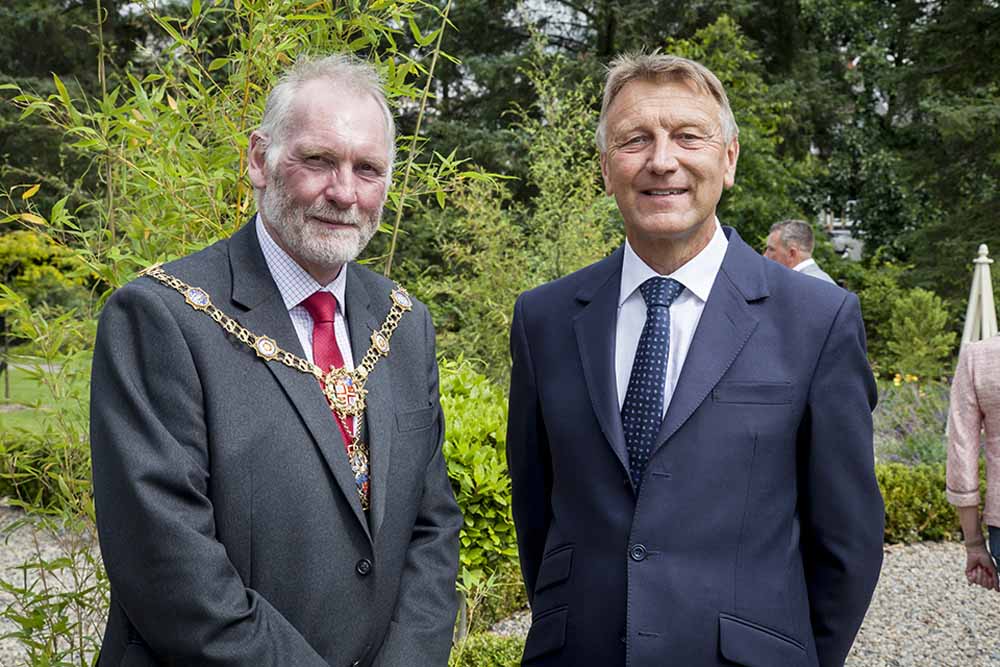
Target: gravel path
17	546
923	614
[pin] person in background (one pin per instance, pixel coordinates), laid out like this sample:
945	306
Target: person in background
975	408
790	244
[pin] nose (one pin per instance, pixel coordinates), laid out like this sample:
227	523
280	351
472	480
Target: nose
662	159
341	188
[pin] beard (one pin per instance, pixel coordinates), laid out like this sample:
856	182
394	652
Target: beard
313	243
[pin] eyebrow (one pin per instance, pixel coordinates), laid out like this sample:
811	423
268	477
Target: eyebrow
706	126
310	149
315	150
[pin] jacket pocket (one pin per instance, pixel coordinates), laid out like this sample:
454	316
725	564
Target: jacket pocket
415	420
760	393
547	633
753	645
555	567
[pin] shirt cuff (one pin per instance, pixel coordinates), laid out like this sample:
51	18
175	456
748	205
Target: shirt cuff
963	499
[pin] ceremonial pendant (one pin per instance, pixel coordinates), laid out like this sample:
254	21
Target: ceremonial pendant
345	392
357	454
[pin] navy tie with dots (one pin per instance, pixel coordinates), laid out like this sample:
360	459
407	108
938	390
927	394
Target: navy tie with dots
642	410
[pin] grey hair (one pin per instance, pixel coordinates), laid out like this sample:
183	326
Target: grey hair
661	67
337	69
798	233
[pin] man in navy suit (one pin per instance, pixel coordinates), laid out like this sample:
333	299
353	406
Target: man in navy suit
690	435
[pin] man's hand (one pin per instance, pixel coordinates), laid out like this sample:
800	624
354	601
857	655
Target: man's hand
979	567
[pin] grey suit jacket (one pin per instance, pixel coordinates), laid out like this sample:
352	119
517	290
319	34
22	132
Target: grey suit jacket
816	272
227	513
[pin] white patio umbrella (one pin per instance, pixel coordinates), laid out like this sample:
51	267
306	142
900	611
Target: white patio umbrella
981	315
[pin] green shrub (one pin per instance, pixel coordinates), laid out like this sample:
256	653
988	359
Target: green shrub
503	596
476	417
919	340
877	286
487	650
45	464
910	421
486	248
22	463
478	271
42	270
916	508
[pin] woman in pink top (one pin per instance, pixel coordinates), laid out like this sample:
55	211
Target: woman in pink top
975	406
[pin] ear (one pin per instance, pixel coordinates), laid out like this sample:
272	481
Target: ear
257	160
732	155
604	174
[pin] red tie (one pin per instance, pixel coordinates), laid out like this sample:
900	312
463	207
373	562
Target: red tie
326	353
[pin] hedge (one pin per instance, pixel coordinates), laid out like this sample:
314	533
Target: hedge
487	650
916	508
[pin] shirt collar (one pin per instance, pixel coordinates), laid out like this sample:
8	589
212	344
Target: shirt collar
697	274
294	283
803	264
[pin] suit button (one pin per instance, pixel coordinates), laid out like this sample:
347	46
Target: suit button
637	552
355	663
363	567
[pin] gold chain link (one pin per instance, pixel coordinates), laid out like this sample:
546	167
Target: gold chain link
193	295
339	384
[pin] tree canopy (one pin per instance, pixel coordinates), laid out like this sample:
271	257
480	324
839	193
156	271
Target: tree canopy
884	110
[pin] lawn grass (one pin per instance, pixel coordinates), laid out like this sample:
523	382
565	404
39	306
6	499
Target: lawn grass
25	390
27	419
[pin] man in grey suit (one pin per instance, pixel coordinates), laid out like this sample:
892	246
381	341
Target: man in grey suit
265	423
790	243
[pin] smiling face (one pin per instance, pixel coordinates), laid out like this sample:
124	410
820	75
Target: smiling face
666	164
322	191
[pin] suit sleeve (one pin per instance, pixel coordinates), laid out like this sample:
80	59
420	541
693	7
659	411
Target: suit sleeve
841	507
527	456
965	419
155	519
424	620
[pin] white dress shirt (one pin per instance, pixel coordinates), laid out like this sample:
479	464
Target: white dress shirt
801	266
697	276
295	285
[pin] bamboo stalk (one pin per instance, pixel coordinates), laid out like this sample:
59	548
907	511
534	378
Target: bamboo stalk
413	142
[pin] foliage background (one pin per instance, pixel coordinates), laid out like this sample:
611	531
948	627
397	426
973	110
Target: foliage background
123	138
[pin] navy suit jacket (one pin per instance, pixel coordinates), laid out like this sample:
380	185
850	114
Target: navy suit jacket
756	537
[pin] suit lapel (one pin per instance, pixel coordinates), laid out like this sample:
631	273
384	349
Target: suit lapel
364	317
254	289
595	336
724	328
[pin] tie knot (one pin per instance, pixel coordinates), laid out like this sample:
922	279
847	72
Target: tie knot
321	306
660	291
